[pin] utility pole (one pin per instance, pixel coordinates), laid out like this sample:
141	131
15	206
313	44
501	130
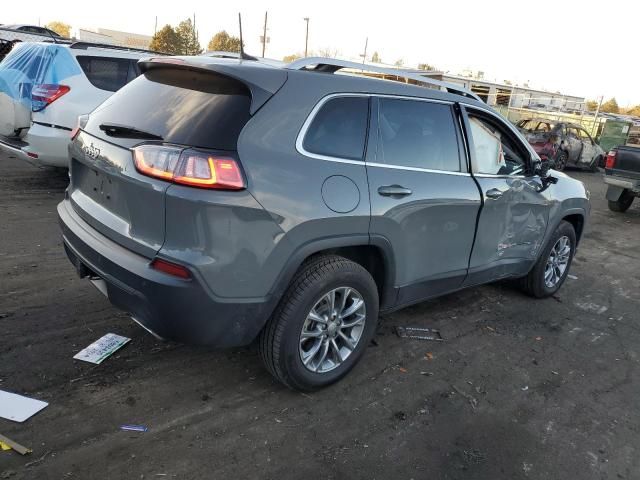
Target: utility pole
595	119
306	38
264	35
364	55
155	28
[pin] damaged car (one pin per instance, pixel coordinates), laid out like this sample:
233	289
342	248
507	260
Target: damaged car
564	143
224	201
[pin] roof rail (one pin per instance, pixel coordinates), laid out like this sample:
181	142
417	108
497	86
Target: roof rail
85	45
332	65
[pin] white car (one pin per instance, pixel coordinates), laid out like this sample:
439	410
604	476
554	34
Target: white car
44	87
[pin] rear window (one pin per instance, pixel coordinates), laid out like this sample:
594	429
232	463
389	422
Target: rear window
339	129
199	109
107	73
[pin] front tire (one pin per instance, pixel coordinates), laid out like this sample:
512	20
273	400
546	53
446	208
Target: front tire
623	203
322	325
552	267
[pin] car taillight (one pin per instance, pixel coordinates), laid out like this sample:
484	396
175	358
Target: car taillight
44	95
611	159
170	268
196	168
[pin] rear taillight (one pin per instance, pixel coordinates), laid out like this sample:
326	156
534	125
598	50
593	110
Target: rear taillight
44	95
170	268
611	159
196	168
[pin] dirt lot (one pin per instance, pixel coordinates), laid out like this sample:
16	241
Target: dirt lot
520	389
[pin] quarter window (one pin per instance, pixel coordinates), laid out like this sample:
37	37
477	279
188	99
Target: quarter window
107	73
339	129
495	151
417	134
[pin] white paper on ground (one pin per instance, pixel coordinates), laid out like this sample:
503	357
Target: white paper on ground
18	408
102	348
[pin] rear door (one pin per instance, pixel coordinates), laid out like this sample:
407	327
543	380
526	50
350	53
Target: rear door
515	212
423	200
181	108
575	144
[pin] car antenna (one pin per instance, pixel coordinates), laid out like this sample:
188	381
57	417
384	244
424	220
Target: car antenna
243	55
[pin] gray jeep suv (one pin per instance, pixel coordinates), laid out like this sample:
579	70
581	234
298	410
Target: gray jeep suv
220	201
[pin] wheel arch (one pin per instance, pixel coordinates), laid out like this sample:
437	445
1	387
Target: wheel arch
374	254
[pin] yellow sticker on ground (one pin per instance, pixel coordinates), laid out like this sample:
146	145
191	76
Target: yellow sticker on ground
4	446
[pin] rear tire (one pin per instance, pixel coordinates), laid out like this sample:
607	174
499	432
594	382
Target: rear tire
623	203
305	319
551	270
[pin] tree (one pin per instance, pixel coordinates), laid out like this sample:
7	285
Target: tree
328	52
292	57
166	40
592	105
223	42
375	58
610	106
635	111
399	62
188	37
60	28
426	66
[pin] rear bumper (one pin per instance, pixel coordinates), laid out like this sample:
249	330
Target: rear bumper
171	308
622	182
49	144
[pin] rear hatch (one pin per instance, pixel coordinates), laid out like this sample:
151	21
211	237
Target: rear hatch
42	66
177	106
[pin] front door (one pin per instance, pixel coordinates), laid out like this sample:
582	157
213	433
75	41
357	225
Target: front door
423	200
515	213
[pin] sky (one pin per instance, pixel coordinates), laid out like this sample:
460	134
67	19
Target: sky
583	48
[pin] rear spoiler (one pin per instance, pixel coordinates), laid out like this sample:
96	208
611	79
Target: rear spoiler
262	81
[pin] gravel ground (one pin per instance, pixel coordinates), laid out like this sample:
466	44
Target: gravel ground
519	389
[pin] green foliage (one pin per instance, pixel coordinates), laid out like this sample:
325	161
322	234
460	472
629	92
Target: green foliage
375	58
166	40
224	42
60	28
188	37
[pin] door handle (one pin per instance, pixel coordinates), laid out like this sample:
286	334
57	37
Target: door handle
494	193
395	191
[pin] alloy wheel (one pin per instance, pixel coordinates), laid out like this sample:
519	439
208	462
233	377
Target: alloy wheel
557	262
332	329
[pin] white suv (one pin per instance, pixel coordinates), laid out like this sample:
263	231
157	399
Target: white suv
44	87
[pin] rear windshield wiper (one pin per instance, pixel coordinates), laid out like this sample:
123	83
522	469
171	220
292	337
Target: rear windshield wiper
124	131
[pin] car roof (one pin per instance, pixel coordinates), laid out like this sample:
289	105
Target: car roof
347	82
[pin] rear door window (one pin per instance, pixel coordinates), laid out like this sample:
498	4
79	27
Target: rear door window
339	129
417	134
106	73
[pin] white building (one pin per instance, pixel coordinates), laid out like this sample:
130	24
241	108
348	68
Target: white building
502	94
115	37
